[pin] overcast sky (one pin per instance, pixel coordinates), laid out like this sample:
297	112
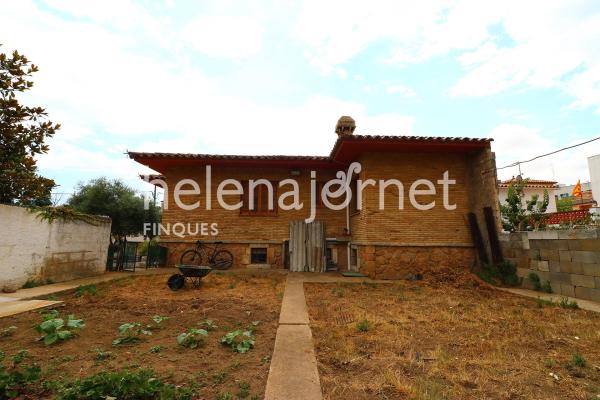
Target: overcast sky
261	77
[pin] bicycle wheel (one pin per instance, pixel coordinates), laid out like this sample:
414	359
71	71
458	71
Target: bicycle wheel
222	260
191	257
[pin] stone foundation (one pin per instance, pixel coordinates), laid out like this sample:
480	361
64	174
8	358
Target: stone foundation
240	251
396	262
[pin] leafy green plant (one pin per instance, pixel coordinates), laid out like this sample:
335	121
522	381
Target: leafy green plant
208	324
55	329
545	287
244	390
158	319
16	377
156	349
224	396
102	355
363	326
192	339
566	303
86	289
124	385
6	332
130	332
240	340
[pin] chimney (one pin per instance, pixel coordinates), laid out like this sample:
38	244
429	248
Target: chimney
345	126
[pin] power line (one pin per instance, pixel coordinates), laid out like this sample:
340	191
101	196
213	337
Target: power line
548	154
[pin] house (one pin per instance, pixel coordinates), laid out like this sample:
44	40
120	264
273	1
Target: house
583	202
532	187
407	211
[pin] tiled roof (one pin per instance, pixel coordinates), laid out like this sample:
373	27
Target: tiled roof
377	138
408	139
531	183
133	154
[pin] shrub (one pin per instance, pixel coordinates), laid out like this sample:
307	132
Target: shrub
538	285
54	329
130	332
123	385
363	326
192	339
504	273
15	378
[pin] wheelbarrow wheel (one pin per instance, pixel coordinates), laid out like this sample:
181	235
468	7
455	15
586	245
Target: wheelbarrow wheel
176	281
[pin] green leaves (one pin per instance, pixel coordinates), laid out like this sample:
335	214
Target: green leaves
130	332
192	339
55	329
13	379
241	340
23	131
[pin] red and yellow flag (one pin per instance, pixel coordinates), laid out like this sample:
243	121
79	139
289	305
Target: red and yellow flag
577	190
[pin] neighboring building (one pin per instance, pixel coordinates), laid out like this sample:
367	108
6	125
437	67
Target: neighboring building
533	187
585	202
594	167
388	243
564	191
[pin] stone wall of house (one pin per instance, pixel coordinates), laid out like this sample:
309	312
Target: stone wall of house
398	262
569	259
33	249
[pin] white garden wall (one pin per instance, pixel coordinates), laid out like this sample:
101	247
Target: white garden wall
31	248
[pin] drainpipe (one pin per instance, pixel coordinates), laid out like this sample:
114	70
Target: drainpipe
348	233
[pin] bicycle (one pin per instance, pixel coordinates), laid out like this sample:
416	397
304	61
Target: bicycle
202	254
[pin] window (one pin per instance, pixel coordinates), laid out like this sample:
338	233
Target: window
354	257
258	255
261	200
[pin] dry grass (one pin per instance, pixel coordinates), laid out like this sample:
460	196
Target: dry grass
428	341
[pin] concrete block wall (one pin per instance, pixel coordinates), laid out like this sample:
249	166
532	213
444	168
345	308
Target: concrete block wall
569	259
33	249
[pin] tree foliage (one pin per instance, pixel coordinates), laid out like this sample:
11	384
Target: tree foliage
23	131
114	199
516	216
564	204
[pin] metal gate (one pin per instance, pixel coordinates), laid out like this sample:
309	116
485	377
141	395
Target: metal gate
307	246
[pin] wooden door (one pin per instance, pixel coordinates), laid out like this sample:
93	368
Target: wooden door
307	246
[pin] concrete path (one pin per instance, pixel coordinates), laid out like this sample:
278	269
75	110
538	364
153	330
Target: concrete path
583	304
293	373
26	299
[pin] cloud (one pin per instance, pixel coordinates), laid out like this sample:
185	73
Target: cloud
401	89
235	37
514	142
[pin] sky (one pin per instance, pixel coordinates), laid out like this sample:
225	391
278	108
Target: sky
262	77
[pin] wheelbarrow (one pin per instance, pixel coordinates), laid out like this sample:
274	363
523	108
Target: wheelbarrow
191	273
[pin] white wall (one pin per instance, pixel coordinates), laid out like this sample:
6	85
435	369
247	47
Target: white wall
528	194
31	248
594	167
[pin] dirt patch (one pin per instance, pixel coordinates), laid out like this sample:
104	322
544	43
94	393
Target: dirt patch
422	340
231	300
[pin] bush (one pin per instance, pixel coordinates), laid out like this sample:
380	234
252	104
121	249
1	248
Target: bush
538	285
504	273
55	329
123	385
15	379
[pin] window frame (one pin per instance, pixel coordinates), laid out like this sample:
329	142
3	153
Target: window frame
261	195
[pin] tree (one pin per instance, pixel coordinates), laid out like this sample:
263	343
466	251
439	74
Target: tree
23	131
114	199
564	204
515	217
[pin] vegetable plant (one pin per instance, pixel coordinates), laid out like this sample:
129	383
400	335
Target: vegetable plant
130	332
15	377
192	339
208	324
54	329
240	340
